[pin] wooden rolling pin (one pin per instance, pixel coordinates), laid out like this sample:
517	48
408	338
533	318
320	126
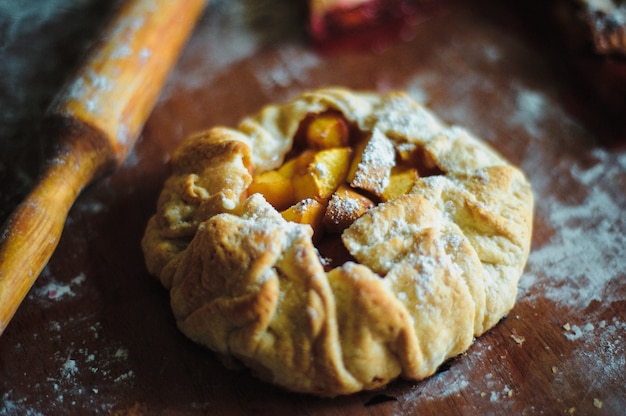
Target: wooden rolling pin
99	115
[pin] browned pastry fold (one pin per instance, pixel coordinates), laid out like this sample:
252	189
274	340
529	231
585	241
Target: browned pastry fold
429	270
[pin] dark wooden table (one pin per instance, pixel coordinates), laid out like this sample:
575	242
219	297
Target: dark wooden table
95	334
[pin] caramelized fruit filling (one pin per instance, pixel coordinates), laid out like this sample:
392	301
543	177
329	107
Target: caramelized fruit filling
335	173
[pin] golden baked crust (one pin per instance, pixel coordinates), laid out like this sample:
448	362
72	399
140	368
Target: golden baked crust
431	269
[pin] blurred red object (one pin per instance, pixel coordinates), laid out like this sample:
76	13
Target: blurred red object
373	24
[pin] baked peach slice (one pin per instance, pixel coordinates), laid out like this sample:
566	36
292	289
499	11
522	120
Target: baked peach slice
323	174
344	207
327	130
401	180
308	211
275	187
372	163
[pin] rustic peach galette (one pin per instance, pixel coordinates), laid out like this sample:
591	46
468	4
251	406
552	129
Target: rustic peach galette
340	240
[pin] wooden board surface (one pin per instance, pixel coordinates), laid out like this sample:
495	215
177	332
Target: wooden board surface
95	335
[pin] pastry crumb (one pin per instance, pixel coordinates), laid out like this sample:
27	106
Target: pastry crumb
519	340
567	327
597	403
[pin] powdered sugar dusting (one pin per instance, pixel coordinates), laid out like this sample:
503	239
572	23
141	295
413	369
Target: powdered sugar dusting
401	117
302	206
343	210
374	168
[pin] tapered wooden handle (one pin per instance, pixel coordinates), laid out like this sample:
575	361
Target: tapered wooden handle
98	116
32	232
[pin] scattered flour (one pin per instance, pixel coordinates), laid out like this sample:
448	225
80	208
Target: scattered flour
581	260
587	232
601	351
216	34
112	363
121	353
227	36
492	388
531	107
10	406
55	290
69	368
89	205
126	376
290	69
586	235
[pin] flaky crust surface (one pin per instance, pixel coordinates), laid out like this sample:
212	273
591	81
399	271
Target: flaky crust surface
433	268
